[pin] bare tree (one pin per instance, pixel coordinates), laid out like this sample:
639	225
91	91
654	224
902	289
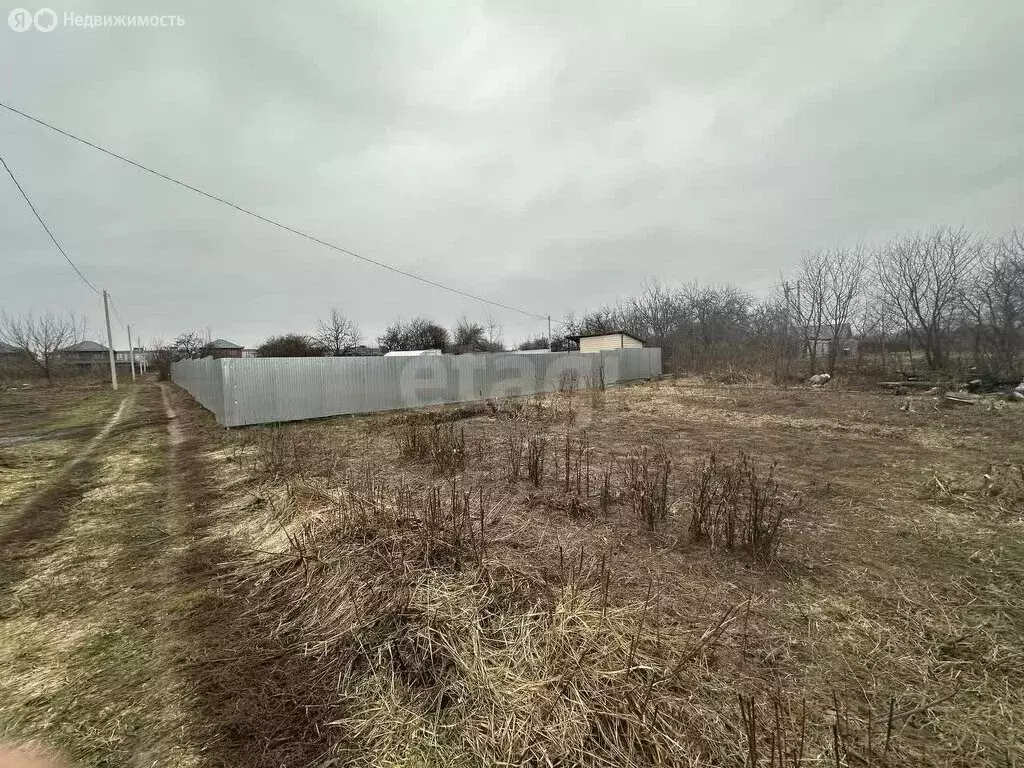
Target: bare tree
845	270
880	327
654	314
713	325
42	339
810	302
190	345
337	334
495	333
923	279
995	303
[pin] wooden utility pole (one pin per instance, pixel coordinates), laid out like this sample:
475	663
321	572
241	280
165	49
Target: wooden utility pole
550	344
110	343
131	351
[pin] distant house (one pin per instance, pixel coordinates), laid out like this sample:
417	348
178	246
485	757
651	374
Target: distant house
85	356
124	357
599	342
223	348
819	339
12	358
9	354
412	353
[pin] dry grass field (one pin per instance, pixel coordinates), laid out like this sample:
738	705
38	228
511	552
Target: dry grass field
672	573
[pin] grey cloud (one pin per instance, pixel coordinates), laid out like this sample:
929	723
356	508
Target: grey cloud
549	155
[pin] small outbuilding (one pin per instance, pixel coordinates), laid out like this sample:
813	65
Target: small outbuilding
600	342
219	348
412	353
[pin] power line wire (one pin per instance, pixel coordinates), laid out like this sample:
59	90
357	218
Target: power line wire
59	247
43	223
117	315
267	219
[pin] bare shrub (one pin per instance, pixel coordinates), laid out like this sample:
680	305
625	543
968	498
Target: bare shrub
277	453
646	479
412	440
441	444
569	381
737	508
514	448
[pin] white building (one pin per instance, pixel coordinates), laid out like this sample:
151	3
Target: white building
412	352
599	342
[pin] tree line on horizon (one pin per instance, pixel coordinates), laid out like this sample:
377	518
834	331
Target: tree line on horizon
942	300
945	300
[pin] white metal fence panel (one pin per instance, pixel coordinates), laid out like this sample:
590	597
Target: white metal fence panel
204	380
266	390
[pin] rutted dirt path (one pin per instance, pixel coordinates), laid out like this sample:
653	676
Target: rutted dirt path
36	514
100	578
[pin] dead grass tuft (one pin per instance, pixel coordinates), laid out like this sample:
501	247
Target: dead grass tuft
440	443
997	490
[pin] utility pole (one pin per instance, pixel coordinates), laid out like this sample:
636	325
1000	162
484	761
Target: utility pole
785	330
550	346
110	343
131	351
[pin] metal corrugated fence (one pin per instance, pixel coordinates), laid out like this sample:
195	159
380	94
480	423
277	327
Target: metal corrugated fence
266	390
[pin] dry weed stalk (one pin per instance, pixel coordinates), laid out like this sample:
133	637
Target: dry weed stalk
607	490
646	480
536	447
440	443
576	475
777	733
569	384
595	387
386	633
515	448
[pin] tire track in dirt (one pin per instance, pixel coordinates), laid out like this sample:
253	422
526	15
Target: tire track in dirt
43	516
248	698
54	490
204	632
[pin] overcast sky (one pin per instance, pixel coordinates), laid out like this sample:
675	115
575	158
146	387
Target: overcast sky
550	155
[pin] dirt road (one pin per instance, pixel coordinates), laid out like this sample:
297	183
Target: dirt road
101	569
